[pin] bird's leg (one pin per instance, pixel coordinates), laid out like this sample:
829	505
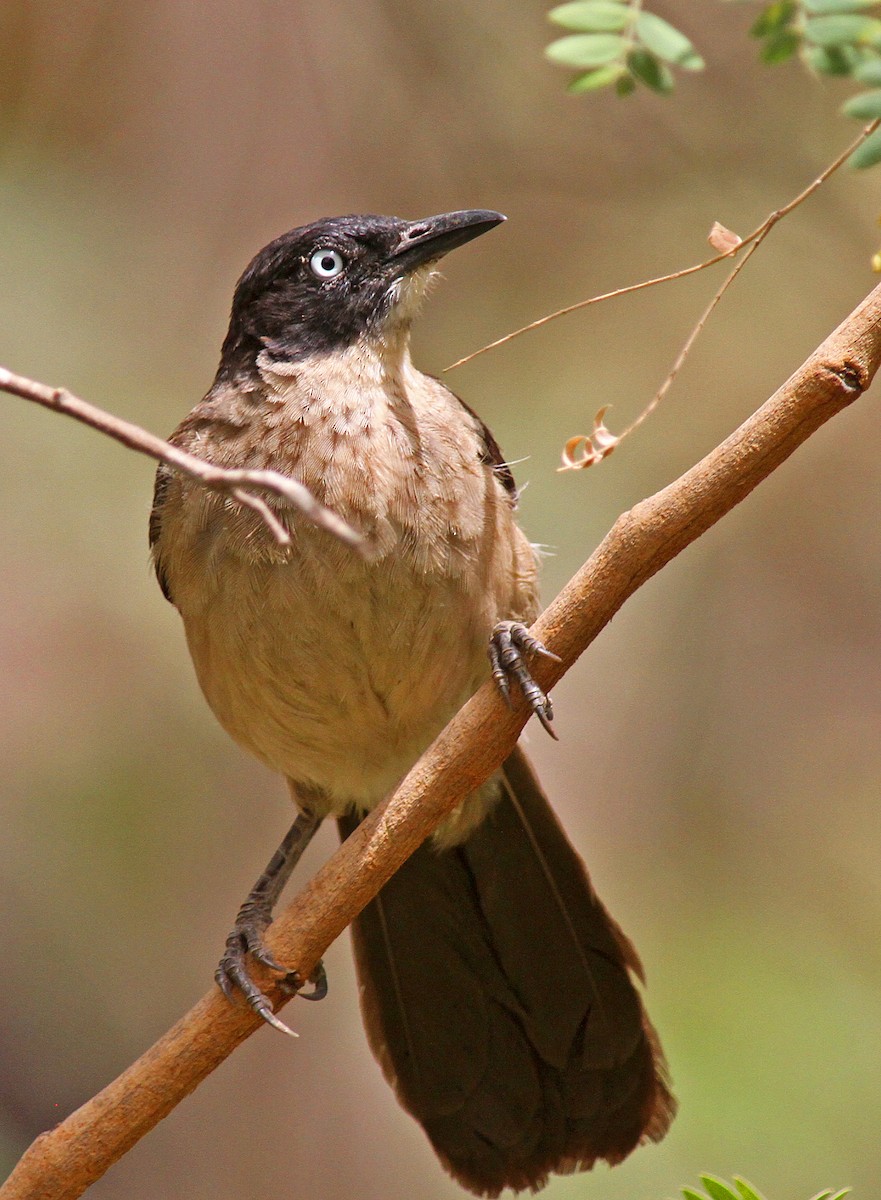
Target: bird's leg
255	917
509	642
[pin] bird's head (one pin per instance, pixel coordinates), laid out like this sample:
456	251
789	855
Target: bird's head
324	286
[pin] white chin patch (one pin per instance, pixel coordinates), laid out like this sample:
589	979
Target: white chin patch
407	294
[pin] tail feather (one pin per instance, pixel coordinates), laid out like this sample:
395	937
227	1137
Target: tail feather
498	999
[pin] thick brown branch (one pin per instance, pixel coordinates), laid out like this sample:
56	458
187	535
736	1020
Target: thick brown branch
247	487
63	1162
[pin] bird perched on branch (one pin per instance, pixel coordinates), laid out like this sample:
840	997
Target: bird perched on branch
497	992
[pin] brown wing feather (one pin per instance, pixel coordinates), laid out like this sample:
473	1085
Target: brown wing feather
160	492
492	454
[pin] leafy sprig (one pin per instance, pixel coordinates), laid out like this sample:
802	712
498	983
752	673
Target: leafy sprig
616	43
831	37
739	1189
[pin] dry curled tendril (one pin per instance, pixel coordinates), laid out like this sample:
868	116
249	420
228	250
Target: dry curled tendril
586	449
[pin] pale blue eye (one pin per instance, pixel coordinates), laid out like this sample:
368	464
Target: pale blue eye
326	263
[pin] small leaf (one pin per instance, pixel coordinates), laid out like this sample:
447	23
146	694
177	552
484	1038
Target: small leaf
839	1195
868	152
626	85
841	30
692	1194
592	16
869	72
774	18
646	68
834	60
824	8
779	48
724	241
691	62
718	1189
865	107
747	1191
592	81
663	40
586	49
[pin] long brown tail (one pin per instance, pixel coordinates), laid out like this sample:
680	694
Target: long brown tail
497	996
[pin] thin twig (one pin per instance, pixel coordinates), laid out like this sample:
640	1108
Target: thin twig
693	336
63	1162
757	234
587	449
244	486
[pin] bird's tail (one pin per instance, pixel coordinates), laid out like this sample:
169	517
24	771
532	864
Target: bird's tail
499	999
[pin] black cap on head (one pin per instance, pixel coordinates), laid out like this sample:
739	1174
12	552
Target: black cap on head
321	287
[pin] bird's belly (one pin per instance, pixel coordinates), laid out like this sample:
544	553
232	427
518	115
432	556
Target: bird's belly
338	679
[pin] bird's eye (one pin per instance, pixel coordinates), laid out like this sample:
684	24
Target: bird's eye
326	264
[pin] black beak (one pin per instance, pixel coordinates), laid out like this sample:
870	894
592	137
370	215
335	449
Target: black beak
428	240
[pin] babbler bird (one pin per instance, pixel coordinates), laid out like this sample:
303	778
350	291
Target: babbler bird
497	992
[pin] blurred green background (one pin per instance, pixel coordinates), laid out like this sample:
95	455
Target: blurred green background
721	747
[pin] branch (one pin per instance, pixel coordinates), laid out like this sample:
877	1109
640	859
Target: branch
64	1161
244	486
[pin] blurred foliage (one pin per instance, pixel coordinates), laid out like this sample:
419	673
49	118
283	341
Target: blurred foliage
739	1189
617	43
718	1189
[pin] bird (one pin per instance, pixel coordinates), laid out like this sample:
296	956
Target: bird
500	998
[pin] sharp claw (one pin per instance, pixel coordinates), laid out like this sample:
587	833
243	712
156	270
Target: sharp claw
224	982
271	1019
318	979
545	718
269	960
231	977
498	672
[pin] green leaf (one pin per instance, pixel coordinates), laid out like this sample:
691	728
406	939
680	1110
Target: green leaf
780	47
747	1191
626	85
823	1195
646	68
592	16
869	72
836	60
864	107
592	81
718	1189
867	154
586	49
662	39
824	8
692	1194
774	18
840	1195
840	30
